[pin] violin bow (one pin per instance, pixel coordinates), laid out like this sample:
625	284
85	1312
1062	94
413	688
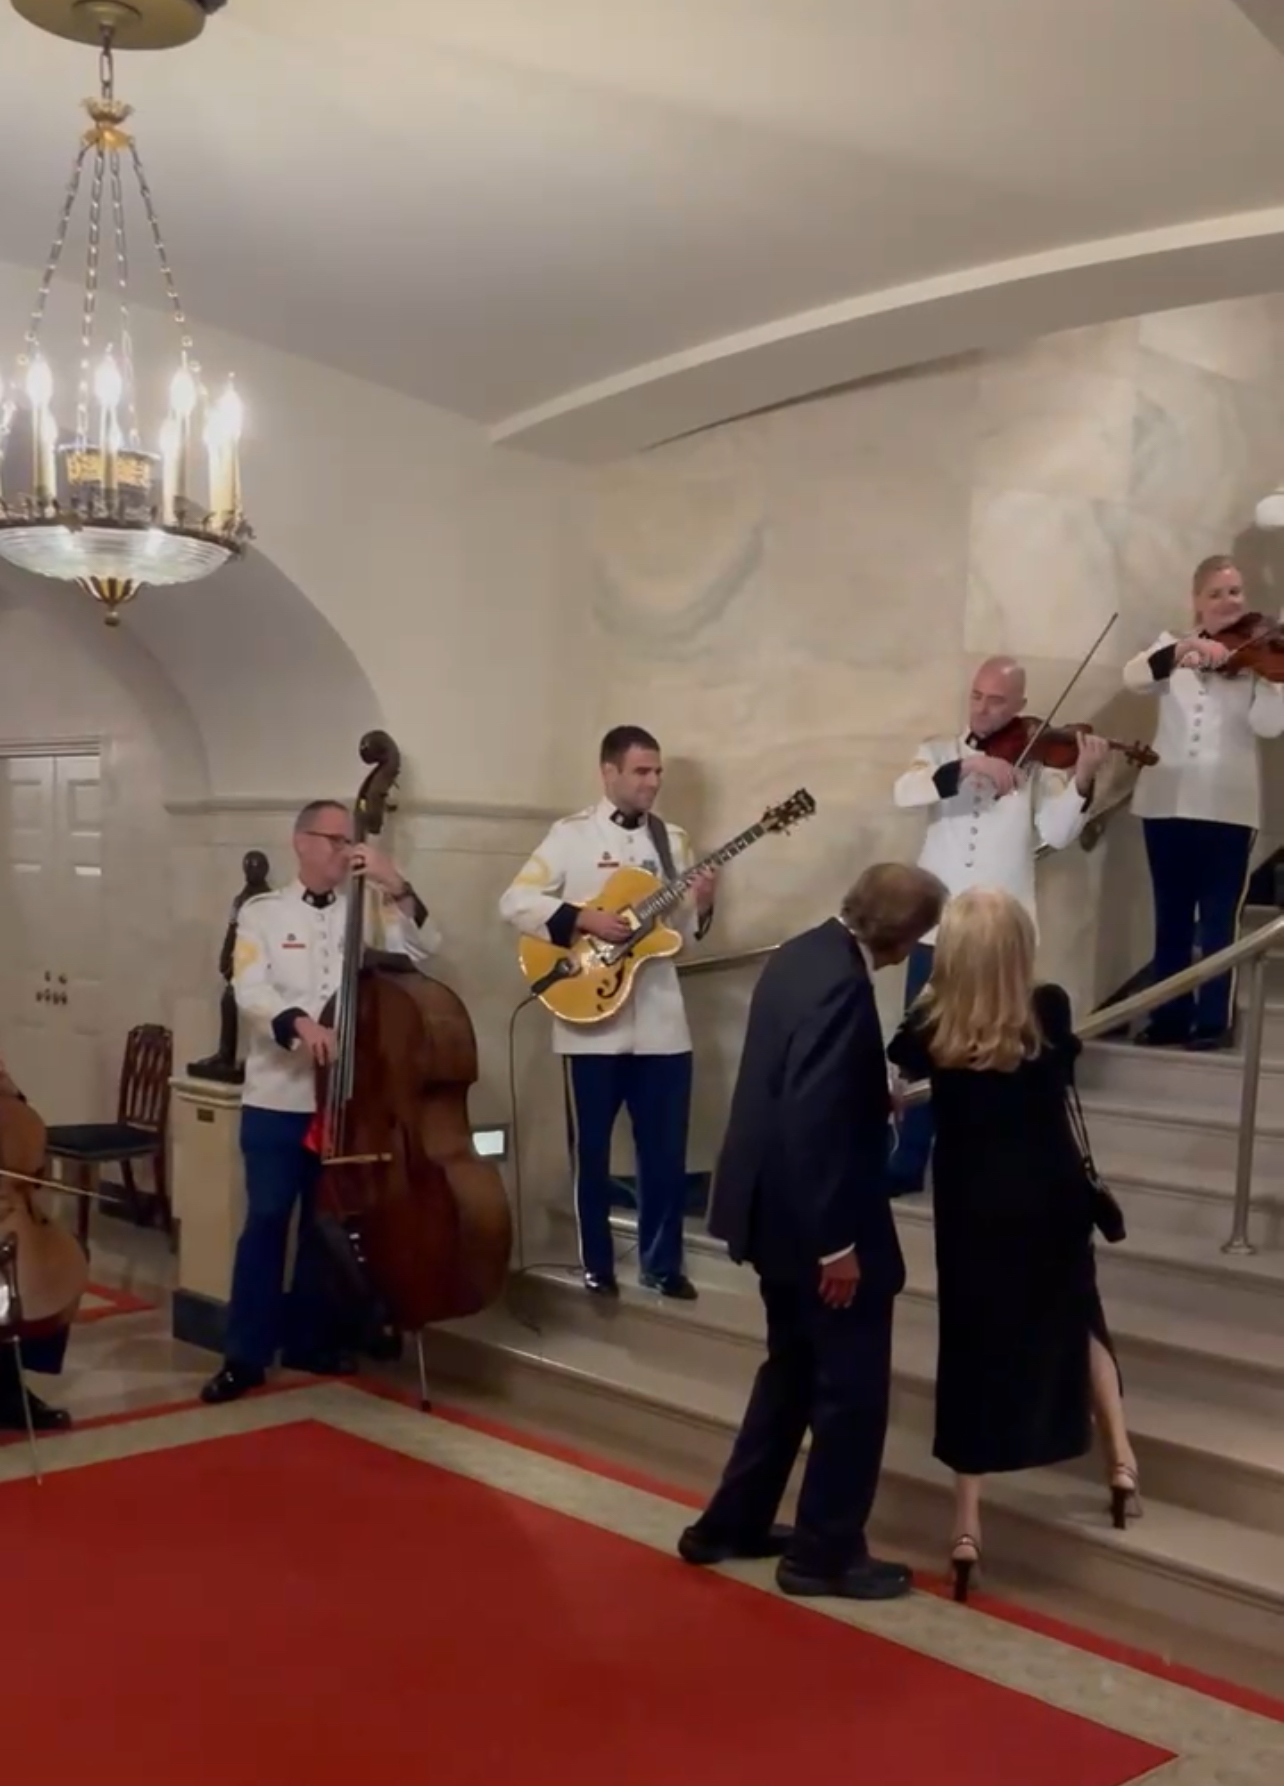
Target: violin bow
1060	701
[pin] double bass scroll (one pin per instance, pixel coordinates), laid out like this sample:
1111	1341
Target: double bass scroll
424	1220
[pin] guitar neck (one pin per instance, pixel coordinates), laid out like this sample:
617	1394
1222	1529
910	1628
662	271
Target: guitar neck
673	892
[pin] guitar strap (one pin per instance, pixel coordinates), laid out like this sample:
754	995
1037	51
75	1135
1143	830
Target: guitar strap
659	834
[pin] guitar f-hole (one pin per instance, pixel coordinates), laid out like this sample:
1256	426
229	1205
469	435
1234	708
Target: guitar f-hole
609	985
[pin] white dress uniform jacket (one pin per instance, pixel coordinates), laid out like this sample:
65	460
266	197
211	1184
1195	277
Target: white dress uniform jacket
977	839
571	866
1206	739
289	956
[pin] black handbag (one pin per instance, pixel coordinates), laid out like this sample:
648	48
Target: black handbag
1107	1216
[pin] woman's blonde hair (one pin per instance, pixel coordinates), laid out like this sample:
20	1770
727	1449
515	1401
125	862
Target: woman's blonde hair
979	1003
1207	569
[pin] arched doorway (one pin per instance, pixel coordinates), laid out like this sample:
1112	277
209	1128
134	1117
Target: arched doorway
137	766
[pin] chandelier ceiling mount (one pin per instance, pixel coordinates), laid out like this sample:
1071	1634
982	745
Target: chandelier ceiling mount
131	24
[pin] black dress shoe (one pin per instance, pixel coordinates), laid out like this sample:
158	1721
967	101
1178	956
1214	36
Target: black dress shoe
1211	1041
867	1580
705	1548
232	1382
44	1419
1150	1037
598	1285
320	1364
677	1285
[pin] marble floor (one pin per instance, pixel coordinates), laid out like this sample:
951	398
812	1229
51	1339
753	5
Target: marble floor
123	1364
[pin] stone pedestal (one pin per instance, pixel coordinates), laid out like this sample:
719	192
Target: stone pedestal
209	1203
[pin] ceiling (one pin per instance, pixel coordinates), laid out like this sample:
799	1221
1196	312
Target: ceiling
592	224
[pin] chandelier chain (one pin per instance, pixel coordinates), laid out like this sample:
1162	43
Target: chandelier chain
167	272
31	340
89	309
122	279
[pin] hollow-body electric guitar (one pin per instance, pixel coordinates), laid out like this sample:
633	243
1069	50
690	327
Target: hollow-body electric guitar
592	980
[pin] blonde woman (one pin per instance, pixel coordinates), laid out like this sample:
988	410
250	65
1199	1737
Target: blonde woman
1024	1356
1200	805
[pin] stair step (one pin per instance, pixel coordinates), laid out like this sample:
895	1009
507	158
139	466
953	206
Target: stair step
1202	1571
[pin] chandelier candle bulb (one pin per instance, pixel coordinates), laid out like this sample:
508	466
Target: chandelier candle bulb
216	456
43	431
231	414
182	396
169	471
108	388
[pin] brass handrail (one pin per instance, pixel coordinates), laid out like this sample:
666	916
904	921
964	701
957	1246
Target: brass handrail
1250	950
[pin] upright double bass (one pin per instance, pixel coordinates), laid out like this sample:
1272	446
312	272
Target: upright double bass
423	1219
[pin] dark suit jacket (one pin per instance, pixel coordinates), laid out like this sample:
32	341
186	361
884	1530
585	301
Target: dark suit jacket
802	1172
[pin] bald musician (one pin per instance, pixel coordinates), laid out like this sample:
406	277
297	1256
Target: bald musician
986	821
44	1354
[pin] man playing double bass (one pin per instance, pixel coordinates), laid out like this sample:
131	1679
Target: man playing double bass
45	1354
286	967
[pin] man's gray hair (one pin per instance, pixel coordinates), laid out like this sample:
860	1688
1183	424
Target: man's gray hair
312	812
893	905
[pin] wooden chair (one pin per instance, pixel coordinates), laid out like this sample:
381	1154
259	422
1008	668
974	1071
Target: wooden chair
140	1131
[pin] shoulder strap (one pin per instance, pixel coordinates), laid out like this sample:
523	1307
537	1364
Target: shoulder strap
659	834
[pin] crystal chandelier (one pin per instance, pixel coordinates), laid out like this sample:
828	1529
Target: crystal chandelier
98	502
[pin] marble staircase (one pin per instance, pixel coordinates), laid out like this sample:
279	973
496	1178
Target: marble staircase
1200	1336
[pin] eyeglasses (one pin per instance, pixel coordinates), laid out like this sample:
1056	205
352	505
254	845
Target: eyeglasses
335	839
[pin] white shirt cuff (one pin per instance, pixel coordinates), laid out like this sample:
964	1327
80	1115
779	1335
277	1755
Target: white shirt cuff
832	1258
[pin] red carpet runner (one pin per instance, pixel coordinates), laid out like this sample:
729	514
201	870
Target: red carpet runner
299	1605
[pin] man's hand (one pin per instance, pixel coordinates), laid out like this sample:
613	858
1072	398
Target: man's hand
1200	654
607	927
839	1281
318	1041
1001	776
378	869
1093	752
705	888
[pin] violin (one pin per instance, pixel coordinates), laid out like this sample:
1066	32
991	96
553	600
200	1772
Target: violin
1026	740
423	1223
43	1268
1256	646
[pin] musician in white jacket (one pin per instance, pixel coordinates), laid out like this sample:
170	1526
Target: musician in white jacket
986	822
1200	805
640	1057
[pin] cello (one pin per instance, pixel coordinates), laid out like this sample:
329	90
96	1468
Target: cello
419	1218
43	1268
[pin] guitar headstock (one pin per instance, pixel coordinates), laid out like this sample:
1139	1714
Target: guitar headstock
790	812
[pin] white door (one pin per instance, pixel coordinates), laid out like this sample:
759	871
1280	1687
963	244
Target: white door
52	936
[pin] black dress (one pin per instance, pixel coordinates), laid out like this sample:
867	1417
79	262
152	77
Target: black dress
1016	1280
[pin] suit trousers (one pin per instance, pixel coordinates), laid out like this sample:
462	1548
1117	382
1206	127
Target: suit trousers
1199	875
828	1370
656	1089
280	1175
907	1168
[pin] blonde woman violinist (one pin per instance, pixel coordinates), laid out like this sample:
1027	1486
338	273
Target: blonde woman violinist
1200	806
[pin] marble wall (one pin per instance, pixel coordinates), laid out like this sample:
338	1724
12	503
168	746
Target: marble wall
800	596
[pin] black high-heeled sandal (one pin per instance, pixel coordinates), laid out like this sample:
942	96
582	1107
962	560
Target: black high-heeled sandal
1125	1496
964	1565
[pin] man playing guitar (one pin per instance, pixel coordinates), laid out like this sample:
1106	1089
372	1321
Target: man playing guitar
641	1055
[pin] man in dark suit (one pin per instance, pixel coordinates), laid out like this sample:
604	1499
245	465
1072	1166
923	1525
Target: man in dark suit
800	1191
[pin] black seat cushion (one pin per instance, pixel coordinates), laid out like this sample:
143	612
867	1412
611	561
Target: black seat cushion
101	1142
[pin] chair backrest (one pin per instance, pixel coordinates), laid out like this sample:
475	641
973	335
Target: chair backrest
144	1077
